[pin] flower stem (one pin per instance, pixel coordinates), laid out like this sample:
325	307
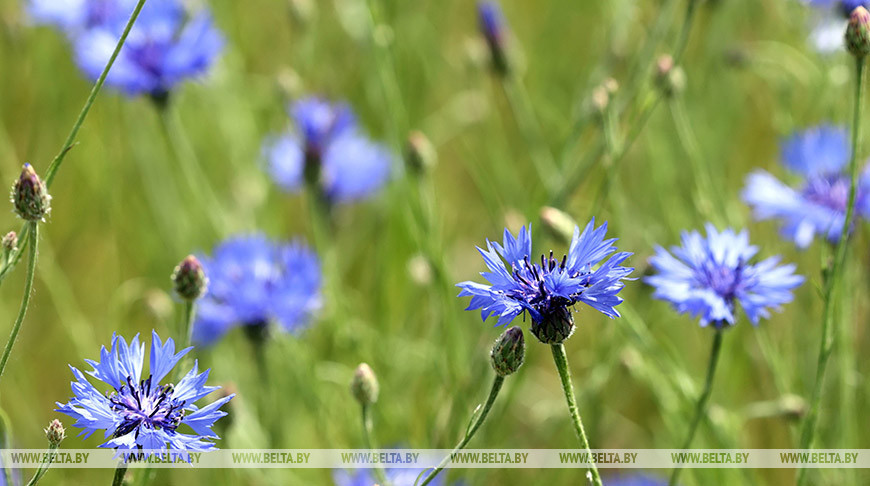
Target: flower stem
68	144
561	359
683	39
369	443
833	273
527	122
120	471
43	468
469	433
25	300
701	405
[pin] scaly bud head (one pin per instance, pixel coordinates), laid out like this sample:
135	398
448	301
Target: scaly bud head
30	196
555	327
558	223
858	33
669	78
189	279
9	242
420	155
364	385
55	433
508	352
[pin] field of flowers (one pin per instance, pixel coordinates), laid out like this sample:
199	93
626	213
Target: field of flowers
423	225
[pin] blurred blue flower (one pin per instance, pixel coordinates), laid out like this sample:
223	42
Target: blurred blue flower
635	479
254	282
140	413
395	477
492	22
74	16
707	277
164	48
546	290
820	155
327	149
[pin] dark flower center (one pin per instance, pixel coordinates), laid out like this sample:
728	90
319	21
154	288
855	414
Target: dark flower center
145	405
829	191
722	279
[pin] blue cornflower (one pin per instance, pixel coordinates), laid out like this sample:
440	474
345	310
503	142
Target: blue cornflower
142	413
820	155
708	277
327	150
395	477
255	282
519	284
164	48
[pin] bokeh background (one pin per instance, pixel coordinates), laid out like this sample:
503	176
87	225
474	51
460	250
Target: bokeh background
123	217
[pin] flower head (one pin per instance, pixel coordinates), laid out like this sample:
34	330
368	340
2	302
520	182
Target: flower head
254	282
708	277
139	412
827	34
395	477
518	283
820	156
327	151
30	195
164	48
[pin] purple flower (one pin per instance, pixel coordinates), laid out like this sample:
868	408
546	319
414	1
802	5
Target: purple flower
140	413
818	206
255	282
327	150
518	284
164	48
366	477
708	277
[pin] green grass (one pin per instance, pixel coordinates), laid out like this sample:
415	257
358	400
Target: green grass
123	216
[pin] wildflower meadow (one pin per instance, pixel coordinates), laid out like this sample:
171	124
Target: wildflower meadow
371	242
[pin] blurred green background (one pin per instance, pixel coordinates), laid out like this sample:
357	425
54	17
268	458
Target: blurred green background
123	217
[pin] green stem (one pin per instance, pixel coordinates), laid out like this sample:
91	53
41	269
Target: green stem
477	422
683	39
369	443
527	122
43	468
25	300
120	471
68	144
185	334
701	405
833	275
70	139
561	360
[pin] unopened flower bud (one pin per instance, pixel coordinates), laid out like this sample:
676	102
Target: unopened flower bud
508	352
858	32
600	98
189	279
493	28
30	196
669	78
558	223
55	433
364	385
420	155
9	242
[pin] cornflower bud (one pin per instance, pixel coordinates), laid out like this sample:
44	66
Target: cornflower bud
364	385
30	196
858	32
508	352
189	279
55	433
